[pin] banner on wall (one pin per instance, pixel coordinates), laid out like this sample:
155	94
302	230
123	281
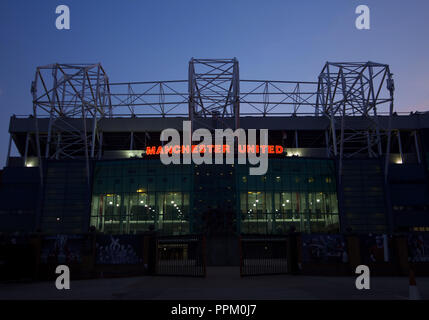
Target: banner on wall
418	247
62	249
375	248
324	248
119	249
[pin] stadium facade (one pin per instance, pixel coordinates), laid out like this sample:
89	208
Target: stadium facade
348	162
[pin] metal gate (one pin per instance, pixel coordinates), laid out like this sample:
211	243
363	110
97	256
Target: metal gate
263	255
181	256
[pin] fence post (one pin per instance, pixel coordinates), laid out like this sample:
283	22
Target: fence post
240	251
88	254
401	246
93	256
299	252
353	251
146	240
36	246
149	252
293	255
204	255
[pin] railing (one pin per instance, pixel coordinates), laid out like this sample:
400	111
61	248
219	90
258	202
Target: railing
261	255
185	114
181	256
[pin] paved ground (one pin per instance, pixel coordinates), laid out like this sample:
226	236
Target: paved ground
220	283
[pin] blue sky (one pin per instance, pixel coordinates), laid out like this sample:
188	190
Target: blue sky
154	40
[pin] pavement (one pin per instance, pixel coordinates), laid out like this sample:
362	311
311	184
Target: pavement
220	283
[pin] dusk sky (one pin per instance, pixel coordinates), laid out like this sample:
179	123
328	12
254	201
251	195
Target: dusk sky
154	40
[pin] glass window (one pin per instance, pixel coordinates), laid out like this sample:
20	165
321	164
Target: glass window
294	192
129	197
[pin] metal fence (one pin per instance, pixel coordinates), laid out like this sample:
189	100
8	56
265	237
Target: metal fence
181	256
263	255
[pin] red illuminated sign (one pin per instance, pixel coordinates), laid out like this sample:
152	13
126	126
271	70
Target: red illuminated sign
201	148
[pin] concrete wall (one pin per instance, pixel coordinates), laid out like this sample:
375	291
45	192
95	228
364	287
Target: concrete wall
19	194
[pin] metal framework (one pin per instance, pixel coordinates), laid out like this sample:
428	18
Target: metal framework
214	89
171	99
76	96
149	98
351	95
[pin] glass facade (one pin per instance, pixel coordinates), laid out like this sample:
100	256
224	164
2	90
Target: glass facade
295	191
363	195
132	196
214	199
66	198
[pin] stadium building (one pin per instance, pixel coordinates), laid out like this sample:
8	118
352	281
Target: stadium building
344	160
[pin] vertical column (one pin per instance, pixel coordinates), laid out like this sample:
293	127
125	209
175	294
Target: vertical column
51	113
191	102
57	153
398	133
8	149
27	140
36	123
84	134
327	143
391	88
296	139
97	102
94	132
340	170
368	141
344	90
416	141
236	94
100	145
132	140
